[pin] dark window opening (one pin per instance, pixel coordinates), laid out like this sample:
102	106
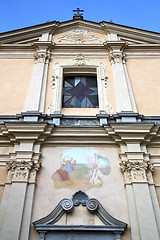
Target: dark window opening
80	92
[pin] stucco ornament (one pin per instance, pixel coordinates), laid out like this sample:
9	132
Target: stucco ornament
117	57
42	57
80	60
79	37
22	170
136	171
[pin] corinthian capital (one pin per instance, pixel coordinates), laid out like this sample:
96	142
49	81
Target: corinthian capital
117	57
19	170
42	57
136	171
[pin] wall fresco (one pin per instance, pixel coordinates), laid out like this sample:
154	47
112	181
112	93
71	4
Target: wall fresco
81	169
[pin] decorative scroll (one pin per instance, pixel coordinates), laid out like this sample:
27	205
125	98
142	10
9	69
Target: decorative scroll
67	206
136	171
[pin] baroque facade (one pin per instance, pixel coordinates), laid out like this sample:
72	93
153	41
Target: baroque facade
79	132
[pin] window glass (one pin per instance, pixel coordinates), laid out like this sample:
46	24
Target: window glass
80	92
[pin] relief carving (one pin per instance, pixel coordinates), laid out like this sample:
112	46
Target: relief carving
79	37
117	57
136	171
80	60
42	57
20	170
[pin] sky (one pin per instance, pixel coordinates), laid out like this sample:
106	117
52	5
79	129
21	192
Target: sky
143	14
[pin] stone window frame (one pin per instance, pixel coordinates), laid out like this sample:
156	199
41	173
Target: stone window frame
97	69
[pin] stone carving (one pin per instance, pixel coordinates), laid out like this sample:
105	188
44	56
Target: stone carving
136	171
80	197
19	170
53	81
106	81
92	205
42	57
67	205
50	108
117	57
80	60
79	37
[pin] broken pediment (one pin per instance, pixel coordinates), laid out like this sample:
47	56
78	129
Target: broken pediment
110	228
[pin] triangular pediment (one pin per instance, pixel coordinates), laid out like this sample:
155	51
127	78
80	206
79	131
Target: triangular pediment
79	32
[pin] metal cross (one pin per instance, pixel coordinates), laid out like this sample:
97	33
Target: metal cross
78	11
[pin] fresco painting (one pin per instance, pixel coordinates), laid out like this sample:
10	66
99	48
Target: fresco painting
81	169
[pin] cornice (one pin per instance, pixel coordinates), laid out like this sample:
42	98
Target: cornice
133	33
26	33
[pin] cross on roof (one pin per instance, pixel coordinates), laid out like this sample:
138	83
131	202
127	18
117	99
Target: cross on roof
78	11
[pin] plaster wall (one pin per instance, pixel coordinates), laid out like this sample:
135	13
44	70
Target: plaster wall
144	76
76	111
14	80
111	194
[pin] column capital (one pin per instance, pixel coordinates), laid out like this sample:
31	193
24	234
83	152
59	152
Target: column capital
117	57
22	170
136	171
42	57
116	51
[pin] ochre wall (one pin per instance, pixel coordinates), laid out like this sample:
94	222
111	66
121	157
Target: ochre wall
14	81
144	75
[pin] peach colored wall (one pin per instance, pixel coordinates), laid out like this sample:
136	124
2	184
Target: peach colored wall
109	90
145	80
14	81
112	193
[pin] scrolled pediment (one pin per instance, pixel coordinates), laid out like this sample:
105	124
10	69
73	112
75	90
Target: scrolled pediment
110	225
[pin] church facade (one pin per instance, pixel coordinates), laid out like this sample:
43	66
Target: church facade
79	132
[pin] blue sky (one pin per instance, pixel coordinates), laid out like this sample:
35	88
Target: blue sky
144	14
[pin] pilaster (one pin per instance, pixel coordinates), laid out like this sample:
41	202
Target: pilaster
137	169
36	99
123	92
22	169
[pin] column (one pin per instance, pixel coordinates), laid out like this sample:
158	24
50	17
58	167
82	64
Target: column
36	93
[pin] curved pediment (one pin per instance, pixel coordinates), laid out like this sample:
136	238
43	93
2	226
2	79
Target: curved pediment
111	225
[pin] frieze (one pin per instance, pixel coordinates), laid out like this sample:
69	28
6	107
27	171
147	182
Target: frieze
136	171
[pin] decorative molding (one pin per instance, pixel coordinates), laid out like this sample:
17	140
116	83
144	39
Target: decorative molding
67	206
80	60
22	170
53	81
136	171
117	57
81	36
42	57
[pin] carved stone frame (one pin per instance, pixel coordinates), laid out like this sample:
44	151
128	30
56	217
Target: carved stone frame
57	85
